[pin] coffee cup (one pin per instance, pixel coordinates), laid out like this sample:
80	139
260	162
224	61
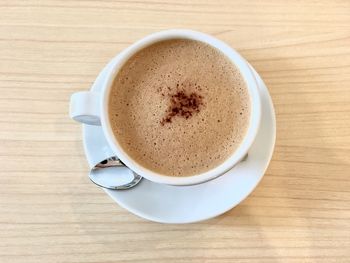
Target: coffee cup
91	108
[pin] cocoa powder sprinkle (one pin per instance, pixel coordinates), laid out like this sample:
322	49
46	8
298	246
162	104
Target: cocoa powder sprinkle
182	104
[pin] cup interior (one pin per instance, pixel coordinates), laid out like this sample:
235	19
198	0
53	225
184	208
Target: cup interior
234	57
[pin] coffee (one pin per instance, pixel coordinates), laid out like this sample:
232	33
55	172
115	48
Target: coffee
179	107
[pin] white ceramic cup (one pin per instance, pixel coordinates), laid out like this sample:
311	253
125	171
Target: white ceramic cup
92	107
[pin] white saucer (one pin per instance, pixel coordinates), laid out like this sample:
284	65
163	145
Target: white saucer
187	204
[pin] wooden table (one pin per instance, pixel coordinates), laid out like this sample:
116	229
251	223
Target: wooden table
49	210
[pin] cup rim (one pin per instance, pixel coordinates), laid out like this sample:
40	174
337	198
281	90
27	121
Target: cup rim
235	58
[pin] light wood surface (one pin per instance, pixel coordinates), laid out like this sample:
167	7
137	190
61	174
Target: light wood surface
50	212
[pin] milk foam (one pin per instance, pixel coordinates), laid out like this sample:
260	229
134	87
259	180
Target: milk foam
197	137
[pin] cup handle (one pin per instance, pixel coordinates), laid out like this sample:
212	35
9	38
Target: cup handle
85	107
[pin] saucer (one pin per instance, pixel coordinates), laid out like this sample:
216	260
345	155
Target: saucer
188	204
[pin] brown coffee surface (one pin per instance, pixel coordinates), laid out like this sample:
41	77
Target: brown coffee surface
179	107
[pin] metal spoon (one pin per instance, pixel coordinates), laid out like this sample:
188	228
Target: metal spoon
105	174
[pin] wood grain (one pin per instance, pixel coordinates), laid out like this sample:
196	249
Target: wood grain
50	212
